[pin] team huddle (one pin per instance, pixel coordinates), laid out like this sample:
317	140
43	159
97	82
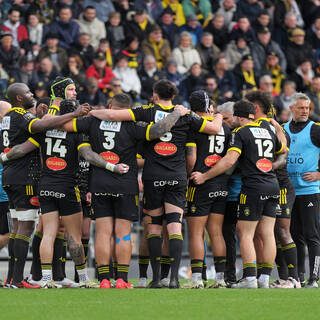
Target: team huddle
231	170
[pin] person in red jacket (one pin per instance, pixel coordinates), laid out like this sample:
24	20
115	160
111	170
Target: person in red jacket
100	71
19	32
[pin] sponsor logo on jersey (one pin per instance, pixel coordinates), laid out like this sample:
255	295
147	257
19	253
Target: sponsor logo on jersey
5	125
165	148
212	160
260	133
110	157
56	164
56	134
6	150
246	212
164	182
35	201
216	194
160	115
50	193
264	165
110	126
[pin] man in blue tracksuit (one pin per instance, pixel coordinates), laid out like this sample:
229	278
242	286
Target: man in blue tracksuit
303	171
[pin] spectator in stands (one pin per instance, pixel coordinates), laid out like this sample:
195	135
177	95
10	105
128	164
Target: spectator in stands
132	52
282	7
114	88
41	90
26	71
92	94
298	50
227	8
177	9
208	51
171	73
185	54
138	24
266	85
212	89
243	28
314	95
249	8
264	45
310	10
225	79
76	71
35	30
65	27
103	8
245	74
75	6
91	25
169	29
148	76
84	49
156	46
283	34
286	98
105	48
262	21
194	28
46	73
100	71
313	34
57	54
219	31
235	50
303	75
115	32
43	9
153	8
130	82
123	7
273	68
9	54
201	8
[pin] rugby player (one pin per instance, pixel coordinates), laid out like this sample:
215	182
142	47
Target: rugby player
303	171
164	173
206	203
255	147
20	177
286	248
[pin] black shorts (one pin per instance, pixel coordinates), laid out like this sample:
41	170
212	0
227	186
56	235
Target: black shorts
206	199
86	209
286	201
118	206
67	202
253	206
158	192
22	196
4	225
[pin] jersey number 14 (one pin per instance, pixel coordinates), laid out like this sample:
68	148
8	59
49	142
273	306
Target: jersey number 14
57	147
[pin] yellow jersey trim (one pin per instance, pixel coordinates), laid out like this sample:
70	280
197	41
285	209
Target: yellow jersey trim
34	142
139	156
191	144
148	131
203	125
279	151
165	107
235	149
132	115
30	124
74	125
85	144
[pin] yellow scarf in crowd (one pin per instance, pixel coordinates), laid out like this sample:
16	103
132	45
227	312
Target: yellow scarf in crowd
156	48
249	78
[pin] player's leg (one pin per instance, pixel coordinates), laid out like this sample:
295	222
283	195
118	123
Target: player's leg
258	245
165	261
144	258
36	274
196	226
4	226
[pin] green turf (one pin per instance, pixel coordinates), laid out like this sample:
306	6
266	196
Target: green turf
161	304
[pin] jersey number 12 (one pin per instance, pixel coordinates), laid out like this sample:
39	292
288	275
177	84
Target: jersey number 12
264	148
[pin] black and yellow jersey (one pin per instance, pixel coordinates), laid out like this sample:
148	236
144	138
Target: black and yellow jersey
210	149
257	147
16	129
165	157
117	143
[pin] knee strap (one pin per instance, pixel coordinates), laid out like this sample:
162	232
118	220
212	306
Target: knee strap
174	217
156	220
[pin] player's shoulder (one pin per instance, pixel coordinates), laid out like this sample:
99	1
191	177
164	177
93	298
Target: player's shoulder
149	106
246	127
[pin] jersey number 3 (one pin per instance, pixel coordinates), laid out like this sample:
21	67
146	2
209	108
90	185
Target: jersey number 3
109	140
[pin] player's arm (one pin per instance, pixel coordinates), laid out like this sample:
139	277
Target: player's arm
191	156
93	158
280	161
113	115
222	166
140	161
280	135
19	151
37	125
212	127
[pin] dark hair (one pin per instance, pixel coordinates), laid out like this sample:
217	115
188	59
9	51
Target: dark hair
14	9
243	108
124	101
65	6
199	101
89	7
68	106
260	98
165	89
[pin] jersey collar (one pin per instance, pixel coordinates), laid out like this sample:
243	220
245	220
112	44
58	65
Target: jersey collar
262	118
165	107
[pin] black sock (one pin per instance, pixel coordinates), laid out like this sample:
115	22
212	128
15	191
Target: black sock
10	256
103	272
259	269
154	244
219	264
143	266
281	264
57	268
175	249
314	256
64	258
289	252
301	253
21	246
267	268
249	270
196	266
36	263
165	266
204	272
114	273
85	243
122	272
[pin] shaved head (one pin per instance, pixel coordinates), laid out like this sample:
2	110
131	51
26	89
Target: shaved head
19	95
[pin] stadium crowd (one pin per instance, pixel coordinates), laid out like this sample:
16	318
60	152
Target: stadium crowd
235	64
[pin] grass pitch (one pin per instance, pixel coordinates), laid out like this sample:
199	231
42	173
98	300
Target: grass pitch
161	304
